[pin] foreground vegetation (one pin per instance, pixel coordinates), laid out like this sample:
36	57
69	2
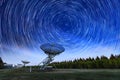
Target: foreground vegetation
61	74
1	63
102	62
79	69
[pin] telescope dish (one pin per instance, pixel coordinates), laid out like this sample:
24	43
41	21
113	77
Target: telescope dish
52	48
25	62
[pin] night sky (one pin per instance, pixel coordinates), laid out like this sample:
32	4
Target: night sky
86	28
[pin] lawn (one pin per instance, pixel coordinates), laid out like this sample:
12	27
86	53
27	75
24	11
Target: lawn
62	74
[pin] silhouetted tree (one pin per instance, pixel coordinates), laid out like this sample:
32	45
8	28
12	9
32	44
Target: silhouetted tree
112	56
1	63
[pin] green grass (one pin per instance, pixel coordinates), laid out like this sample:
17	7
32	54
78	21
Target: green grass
61	74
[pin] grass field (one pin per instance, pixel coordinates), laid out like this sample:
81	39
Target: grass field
62	74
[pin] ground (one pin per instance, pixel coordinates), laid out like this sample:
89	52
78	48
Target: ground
62	74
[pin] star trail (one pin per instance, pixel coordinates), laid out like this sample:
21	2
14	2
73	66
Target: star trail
83	27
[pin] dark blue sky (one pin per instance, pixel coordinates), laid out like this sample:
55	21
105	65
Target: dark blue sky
86	28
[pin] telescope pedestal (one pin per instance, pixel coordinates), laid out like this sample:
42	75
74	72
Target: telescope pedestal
46	61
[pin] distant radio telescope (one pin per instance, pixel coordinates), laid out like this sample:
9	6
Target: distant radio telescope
51	49
25	62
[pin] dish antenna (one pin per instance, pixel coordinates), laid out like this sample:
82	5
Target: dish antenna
51	49
25	62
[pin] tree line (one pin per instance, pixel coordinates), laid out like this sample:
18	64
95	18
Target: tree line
103	62
1	63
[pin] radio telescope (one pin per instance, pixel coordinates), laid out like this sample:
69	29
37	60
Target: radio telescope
51	49
25	62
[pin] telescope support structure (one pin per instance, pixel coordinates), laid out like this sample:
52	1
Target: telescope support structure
46	61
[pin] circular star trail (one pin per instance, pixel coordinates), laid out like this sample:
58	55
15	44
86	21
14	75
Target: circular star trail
76	24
